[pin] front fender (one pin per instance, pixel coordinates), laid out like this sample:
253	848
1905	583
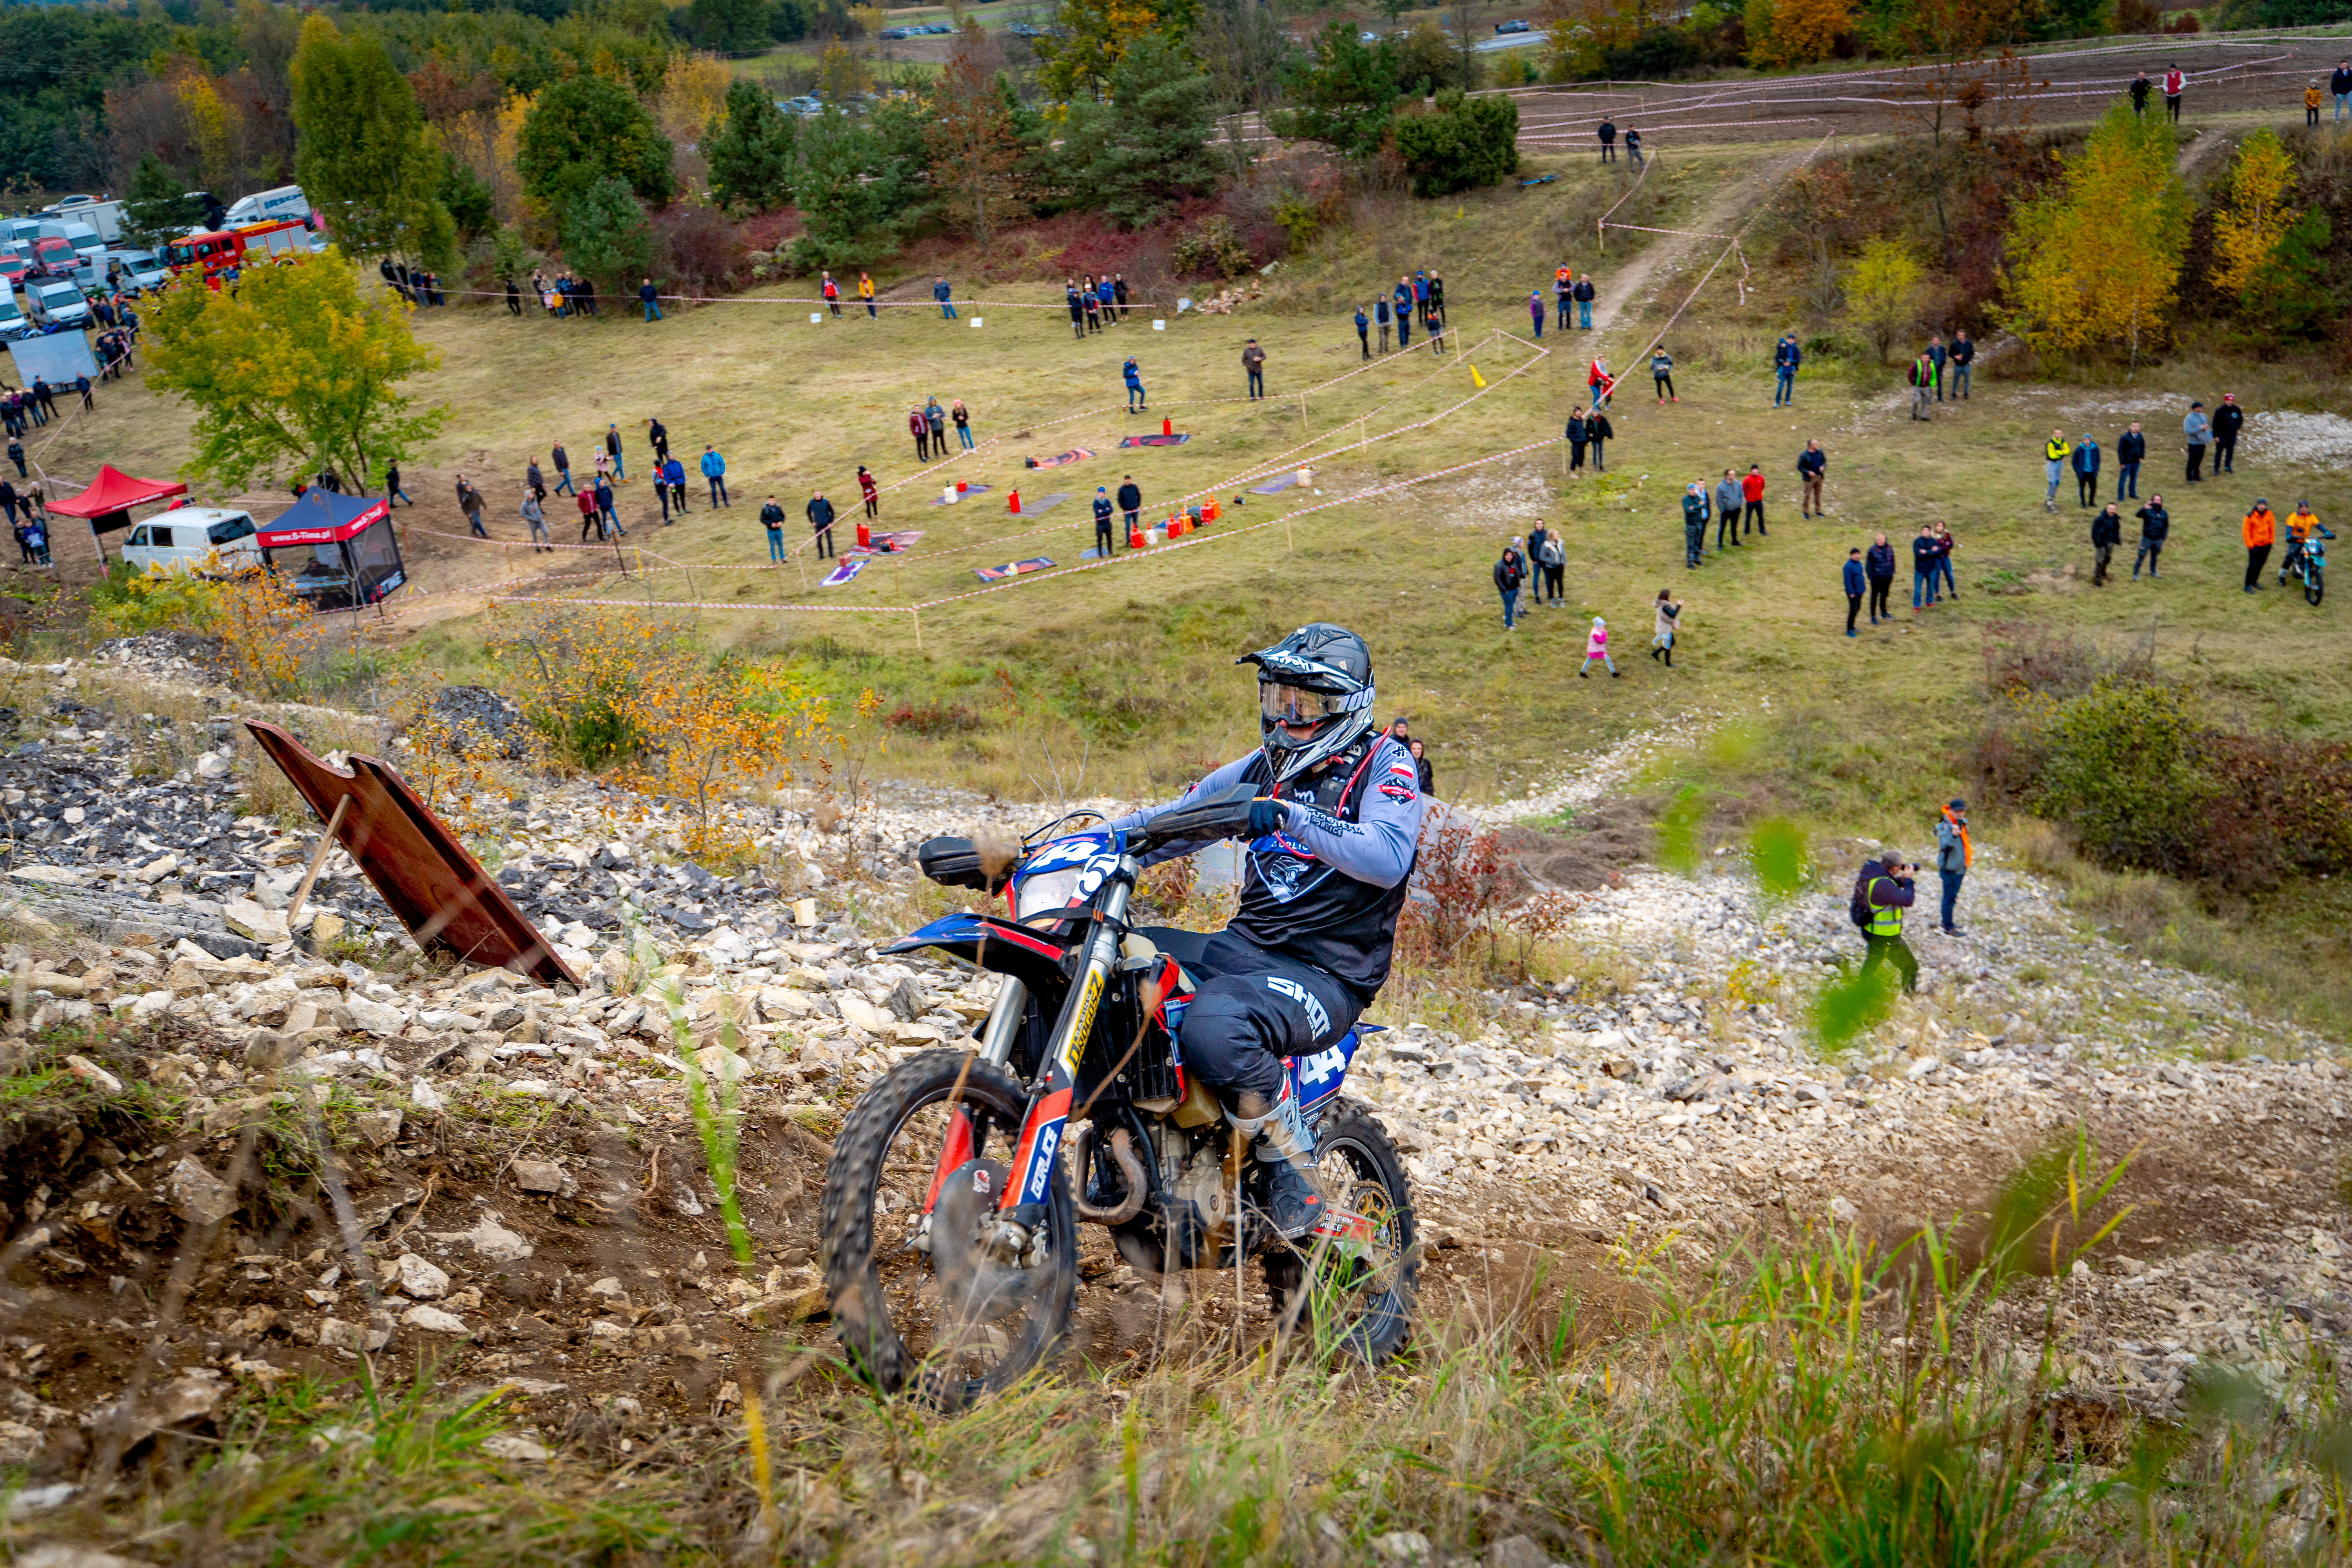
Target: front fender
999	945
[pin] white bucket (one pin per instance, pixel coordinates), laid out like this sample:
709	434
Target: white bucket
948	496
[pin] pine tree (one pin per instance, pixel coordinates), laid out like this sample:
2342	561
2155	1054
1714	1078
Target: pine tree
1155	147
362	154
608	237
1345	91
155	210
848	194
750	152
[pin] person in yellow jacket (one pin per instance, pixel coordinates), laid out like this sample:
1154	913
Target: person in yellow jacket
2312	100
2302	527
2260	532
865	292
2055	451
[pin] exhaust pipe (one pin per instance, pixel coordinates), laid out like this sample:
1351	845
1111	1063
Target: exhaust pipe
1131	1170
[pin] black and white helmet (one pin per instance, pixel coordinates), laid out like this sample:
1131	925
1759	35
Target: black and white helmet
1320	675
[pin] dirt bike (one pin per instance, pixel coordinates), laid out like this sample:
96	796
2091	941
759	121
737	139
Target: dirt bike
959	1181
2308	566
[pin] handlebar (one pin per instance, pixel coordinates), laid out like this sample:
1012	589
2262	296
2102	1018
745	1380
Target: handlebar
1224	814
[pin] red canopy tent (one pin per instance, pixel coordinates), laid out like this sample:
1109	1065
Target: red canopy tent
108	502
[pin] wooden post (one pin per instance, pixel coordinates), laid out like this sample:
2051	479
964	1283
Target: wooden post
1302	414
919	629
318	859
1288	543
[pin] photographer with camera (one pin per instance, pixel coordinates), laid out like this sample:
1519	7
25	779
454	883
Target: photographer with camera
1881	892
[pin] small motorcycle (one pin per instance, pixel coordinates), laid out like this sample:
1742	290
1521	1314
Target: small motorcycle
959	1181
2308	566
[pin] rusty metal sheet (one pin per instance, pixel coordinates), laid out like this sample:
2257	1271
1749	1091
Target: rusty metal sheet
431	881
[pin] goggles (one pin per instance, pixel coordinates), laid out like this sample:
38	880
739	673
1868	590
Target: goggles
1297	705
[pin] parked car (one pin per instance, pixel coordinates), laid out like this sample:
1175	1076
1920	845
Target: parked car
13	324
891	34
1511	26
208	539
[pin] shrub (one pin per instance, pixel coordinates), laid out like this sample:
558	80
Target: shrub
932	720
1210	249
1464	144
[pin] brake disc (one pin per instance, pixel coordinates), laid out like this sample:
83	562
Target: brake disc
977	1277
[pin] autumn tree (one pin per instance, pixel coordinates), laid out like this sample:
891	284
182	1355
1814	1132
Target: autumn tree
1090	37
1952	87
297	369
1883	293
2254	215
1800	32
582	130
975	158
363	155
2097	262
750	152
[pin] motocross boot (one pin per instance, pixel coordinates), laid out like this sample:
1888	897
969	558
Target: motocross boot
1286	1147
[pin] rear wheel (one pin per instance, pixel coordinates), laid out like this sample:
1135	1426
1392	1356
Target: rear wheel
934	1310
1356	1296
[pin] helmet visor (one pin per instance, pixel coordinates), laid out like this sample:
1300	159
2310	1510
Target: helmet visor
1297	705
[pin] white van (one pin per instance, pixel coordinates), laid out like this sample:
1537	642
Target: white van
263	206
209	539
142	269
13	324
52	301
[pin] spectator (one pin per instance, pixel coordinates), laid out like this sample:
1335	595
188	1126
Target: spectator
2339	85
1633	150
16	455
2153	524
1536	539
674	473
871	491
649	299
1380	318
1421	766
1402	296
1944	558
1585	294
2259	529
1727	500
1363	333
1694	524
2130	447
392	491
1608	134
1856	584
2140	87
2312	100
1669	612
820	516
921	429
589	516
1812	464
1254	361
935	422
1510	571
1130	501
532	479
658	435
608	503
1135	397
1963	355
1596	645
1884	892
1786	357
2228	420
960	418
2106	532
1118	293
1597	430
2085	461
2175	83
1575	433
1954	855
612	450
1922	380
772	517
1662	375
1751	491
1940	353
1878	564
865	292
2055	455
535	519
1104	541
1923	570
1090	303
714	468
2199	430
1597	379
1552	562
1563	289
1110	299
832	292
563	461
469	501
1536	309
1077	307
943	293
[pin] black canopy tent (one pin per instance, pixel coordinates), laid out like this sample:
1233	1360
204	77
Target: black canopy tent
335	552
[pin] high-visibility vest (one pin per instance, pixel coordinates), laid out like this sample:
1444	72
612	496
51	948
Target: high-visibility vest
1886	919
2057	450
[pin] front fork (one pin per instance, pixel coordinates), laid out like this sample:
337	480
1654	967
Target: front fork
1018	1228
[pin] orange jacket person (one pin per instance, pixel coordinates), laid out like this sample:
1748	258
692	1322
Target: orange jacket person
2260	532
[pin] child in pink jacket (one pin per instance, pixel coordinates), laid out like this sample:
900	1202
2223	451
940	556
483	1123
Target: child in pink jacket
1596	645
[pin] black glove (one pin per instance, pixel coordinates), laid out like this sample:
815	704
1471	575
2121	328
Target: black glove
1267	816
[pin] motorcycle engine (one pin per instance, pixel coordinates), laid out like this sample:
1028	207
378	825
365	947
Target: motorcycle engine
1196	1176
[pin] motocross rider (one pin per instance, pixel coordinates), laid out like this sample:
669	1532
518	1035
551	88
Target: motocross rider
1331	842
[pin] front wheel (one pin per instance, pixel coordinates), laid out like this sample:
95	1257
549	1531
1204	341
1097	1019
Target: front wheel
911	1301
2312	588
1355	1295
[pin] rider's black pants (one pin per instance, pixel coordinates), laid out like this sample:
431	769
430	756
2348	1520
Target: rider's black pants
1250	1009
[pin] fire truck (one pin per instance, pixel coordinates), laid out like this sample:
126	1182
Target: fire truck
248	245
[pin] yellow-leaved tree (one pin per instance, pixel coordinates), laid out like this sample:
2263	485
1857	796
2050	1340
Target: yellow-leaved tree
2096	263
1885	292
2255	217
1800	31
